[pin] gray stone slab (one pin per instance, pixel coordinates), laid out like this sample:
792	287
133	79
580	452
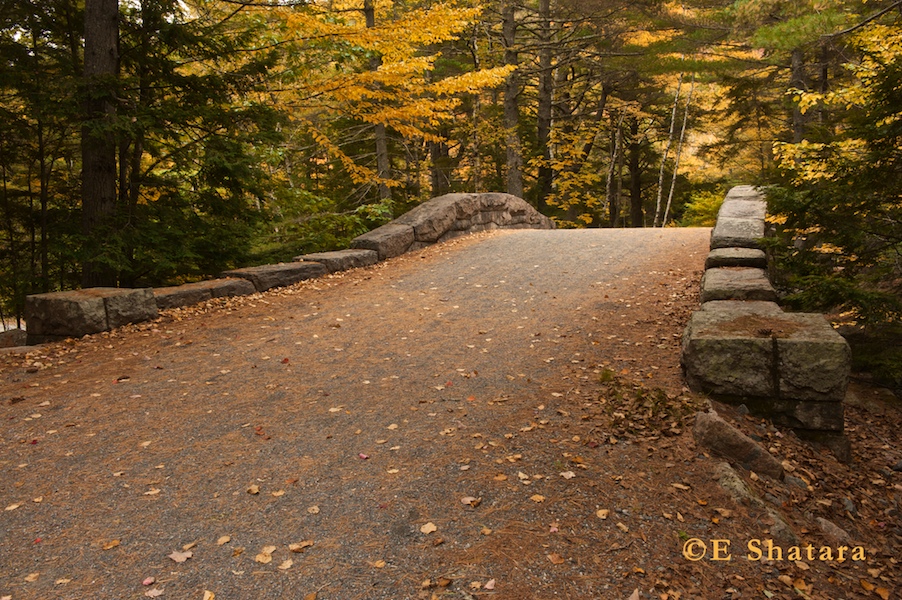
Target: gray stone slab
813	360
125	306
725	354
230	286
342	260
388	241
734	232
182	295
91	310
736	257
71	313
737	284
266	277
742	209
743	192
755	307
431	219
12	338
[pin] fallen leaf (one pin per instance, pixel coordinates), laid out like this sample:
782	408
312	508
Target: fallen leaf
428	528
490	584
57	582
724	512
555	558
32	577
310	596
568	474
623	527
189	546
286	564
111	544
224	540
263	558
379	564
152	492
38	500
867	585
498	477
253	489
363	456
882	592
149	581
13	506
485	531
153	593
602	513
313	510
634	595
301	546
180	557
537	498
278	493
680	486
471	501
208	595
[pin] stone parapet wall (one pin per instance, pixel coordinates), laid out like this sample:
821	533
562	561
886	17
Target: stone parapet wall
741	347
59	315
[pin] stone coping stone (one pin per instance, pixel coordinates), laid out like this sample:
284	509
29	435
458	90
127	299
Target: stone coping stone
342	260
736	257
432	219
789	356
743	192
266	277
737	232
16	350
201	291
742	209
390	240
754	307
737	284
76	313
13	337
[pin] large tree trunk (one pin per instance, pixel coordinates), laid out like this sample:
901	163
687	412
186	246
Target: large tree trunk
545	102
383	165
637	212
98	142
511	106
797	81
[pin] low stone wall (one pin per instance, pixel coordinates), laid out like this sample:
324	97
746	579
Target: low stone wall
58	315
450	216
742	347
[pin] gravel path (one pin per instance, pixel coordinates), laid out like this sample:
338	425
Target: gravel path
351	411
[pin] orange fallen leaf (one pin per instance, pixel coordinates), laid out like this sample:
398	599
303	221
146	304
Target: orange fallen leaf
623	527
537	498
253	490
498	477
152	492
310	596
313	510
680	486
278	493
180	557
224	540
867	585
263	558
882	592
208	595
602	513
555	558
286	564
428	528
296	548
111	544
32	577
379	564
485	531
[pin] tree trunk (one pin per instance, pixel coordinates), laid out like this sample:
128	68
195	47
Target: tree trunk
637	212
679	152
659	209
98	142
383	165
545	182
511	106
612	190
797	81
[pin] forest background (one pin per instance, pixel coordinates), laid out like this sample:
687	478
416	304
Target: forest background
155	142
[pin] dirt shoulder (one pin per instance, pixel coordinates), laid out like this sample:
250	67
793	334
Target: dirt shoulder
501	416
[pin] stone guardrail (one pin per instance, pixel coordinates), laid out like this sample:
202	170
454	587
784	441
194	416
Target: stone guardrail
741	347
59	315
